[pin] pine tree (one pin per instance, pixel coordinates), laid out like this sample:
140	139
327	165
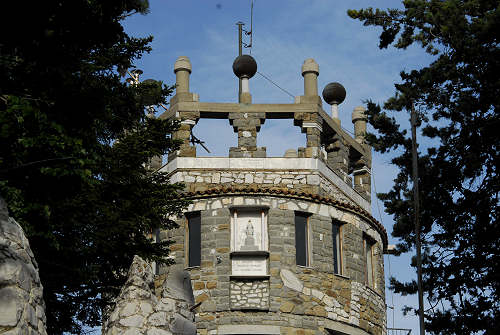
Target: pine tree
457	96
75	148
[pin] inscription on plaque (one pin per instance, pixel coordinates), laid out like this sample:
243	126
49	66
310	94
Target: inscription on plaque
249	235
249	266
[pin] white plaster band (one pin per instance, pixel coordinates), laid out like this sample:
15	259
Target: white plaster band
362	171
248	329
189	122
312	125
245	88
335	111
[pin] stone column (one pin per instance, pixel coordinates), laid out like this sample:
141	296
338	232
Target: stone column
310	72
362	172
362	182
338	158
184	134
311	125
247	125
313	139
182	70
359	119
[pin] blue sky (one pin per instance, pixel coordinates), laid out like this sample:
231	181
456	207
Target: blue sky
285	33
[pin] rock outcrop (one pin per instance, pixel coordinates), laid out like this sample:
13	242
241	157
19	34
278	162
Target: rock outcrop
138	310
22	309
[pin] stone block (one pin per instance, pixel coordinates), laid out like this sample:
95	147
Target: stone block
287	307
10	307
290	280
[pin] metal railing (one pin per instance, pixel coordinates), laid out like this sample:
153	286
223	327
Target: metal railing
398	331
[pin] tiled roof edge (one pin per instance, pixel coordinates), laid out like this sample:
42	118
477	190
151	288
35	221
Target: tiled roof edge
291	193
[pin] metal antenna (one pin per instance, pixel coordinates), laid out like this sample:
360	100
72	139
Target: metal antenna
240	31
196	140
414	154
250	33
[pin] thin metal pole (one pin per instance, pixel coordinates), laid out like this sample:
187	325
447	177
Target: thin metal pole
413	121
240	46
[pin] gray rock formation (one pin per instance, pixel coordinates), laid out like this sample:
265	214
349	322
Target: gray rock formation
138	310
22	310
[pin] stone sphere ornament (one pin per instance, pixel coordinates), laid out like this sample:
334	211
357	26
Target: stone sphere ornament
334	93
244	66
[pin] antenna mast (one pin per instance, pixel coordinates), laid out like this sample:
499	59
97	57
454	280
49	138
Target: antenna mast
414	153
240	40
240	45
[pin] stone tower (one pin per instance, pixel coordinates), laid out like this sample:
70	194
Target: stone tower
278	245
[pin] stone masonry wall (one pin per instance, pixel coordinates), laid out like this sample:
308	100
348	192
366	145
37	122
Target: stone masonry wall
317	297
22	309
307	181
249	294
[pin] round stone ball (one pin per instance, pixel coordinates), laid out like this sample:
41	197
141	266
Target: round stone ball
244	66
334	93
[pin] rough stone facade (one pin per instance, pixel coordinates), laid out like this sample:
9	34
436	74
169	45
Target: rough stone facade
299	180
308	299
149	307
249	294
22	309
254	218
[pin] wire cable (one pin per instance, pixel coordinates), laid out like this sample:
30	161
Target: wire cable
278	86
348	131
388	256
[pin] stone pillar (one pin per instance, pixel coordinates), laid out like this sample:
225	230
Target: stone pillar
359	119
247	125
311	125
313	139
182	70
310	72
362	178
362	171
245	96
188	121
338	158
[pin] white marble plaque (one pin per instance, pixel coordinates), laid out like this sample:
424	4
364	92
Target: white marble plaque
249	231
249	266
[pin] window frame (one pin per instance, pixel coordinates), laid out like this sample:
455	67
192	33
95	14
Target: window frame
188	244
368	246
262	213
307	242
337	248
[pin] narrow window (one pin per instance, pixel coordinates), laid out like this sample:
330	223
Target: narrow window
368	248
337	247
194	239
302	238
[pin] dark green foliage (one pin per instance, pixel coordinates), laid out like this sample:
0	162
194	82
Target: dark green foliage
457	96
75	147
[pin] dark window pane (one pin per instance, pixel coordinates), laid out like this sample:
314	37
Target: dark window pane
194	228
301	239
369	262
336	248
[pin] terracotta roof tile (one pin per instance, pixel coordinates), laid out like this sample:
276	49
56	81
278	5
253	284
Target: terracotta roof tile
301	195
